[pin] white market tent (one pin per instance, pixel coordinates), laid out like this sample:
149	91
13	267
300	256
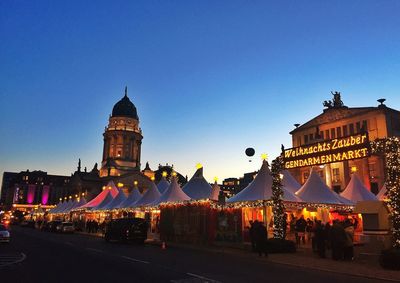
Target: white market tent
174	193
198	188
261	188
163	185
66	207
315	190
82	201
107	200
150	196
133	197
119	198
58	207
101	196
289	182
382	195
356	191
215	191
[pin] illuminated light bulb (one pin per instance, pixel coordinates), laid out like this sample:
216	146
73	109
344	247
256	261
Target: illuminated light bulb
198	166
216	179
60	199
281	176
70	197
76	196
153	178
164	174
135	183
174	174
353	169
120	185
264	156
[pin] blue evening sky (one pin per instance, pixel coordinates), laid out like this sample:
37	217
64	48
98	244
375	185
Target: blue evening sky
209	78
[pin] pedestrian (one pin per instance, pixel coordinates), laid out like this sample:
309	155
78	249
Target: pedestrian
261	239
300	228
327	234
320	238
252	235
338	239
349	243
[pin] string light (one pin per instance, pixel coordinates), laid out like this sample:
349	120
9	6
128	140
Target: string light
390	147
278	207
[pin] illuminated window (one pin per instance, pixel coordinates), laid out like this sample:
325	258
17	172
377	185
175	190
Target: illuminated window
336	175
345	133
305	176
351	126
25	178
372	170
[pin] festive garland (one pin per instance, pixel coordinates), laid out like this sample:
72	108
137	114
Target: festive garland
390	147
278	208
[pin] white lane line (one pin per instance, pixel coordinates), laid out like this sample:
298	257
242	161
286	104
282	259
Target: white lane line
134	259
202	277
9	260
69	244
94	250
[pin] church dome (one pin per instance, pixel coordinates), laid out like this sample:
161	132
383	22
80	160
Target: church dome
125	108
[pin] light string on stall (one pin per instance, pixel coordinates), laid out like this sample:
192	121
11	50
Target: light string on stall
390	147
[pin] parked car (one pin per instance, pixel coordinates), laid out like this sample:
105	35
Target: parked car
65	227
4	234
52	225
126	229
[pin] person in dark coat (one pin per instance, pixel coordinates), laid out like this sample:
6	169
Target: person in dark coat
252	234
261	239
338	239
327	232
349	245
320	238
300	228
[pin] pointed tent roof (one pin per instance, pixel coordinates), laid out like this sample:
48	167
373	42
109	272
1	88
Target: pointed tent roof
108	198
215	191
151	195
261	188
197	187
72	204
54	209
315	190
66	206
163	185
289	182
382	195
133	197
81	201
174	193
100	197
119	198
356	191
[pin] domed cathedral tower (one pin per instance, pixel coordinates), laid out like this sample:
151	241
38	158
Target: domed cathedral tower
122	140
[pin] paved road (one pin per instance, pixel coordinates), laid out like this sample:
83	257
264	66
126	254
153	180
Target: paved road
78	258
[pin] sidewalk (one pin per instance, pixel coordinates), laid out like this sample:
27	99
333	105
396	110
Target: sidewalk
364	265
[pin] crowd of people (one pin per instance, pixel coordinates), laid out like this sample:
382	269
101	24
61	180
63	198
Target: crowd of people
338	237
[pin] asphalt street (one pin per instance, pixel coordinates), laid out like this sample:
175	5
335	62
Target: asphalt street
48	257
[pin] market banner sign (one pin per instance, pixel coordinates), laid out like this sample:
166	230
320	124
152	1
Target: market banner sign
324	152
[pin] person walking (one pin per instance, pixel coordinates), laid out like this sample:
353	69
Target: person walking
338	239
349	242
252	235
320	238
300	228
261	239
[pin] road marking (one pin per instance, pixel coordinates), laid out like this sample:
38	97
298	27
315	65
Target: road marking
6	260
94	250
134	259
69	244
202	277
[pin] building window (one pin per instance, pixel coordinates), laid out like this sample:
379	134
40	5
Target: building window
305	176
336	175
327	134
364	125
25	178
298	141
332	133
358	127
305	138
321	135
339	132
345	133
372	170
311	137
351	129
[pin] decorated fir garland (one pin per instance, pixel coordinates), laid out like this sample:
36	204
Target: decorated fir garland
278	208
390	147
